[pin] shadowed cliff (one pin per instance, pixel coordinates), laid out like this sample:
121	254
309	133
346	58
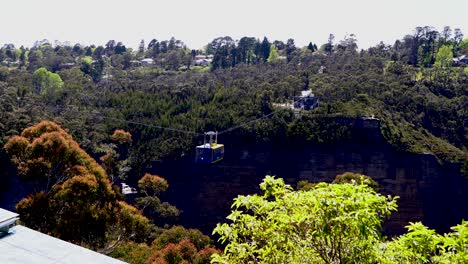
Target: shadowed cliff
429	191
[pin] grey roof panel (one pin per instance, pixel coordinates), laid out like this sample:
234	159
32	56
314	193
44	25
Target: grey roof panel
25	245
6	215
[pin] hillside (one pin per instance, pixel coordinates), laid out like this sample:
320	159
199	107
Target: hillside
397	113
422	106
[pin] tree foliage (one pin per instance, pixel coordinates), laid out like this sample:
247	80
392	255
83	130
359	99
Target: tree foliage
150	204
331	223
424	245
273	56
121	137
77	202
115	160
328	223
415	104
349	177
173	246
421	108
444	57
46	82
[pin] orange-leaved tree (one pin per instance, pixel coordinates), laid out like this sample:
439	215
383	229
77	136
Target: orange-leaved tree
179	245
176	245
76	201
121	137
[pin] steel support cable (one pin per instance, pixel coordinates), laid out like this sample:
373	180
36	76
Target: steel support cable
247	123
99	114
137	123
253	121
162	127
169	128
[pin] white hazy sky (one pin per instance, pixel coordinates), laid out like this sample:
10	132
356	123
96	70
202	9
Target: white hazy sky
197	22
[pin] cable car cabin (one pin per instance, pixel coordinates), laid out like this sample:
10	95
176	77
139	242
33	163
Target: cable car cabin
210	151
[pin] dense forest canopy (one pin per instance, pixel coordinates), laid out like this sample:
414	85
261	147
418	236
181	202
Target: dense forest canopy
413	86
115	111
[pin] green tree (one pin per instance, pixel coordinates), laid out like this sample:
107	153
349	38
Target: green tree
273	54
178	233
455	245
312	47
328	48
444	57
330	223
35	59
46	82
349	177
246	49
457	40
23	57
132	252
463	46
417	246
424	245
265	49
115	160
152	186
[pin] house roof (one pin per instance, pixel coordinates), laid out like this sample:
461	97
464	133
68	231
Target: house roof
306	93
24	245
7	219
212	146
6	215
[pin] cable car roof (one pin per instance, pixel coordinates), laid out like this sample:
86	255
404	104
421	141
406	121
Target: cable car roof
212	146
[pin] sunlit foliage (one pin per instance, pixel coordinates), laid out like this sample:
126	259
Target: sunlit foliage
330	223
77	202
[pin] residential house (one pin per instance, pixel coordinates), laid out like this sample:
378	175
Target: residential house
147	62
202	60
306	101
462	60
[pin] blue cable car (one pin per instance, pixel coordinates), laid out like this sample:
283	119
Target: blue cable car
210	151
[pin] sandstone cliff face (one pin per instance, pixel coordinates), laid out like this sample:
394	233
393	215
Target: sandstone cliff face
429	192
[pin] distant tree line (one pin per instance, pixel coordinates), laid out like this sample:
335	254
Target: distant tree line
413	87
79	86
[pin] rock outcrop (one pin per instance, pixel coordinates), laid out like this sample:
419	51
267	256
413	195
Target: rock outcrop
428	191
